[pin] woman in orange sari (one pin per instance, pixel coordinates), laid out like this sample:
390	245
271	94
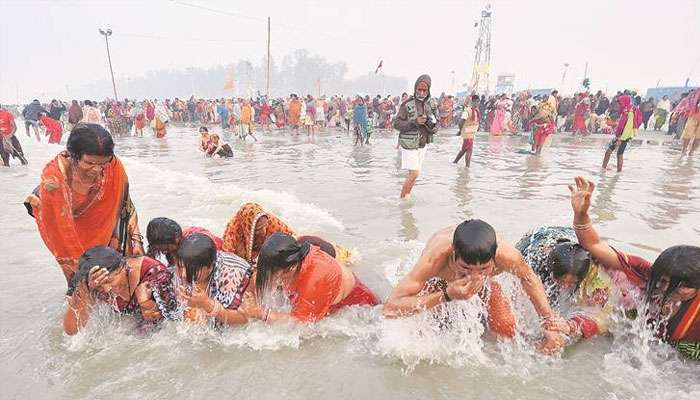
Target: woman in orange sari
294	112
249	228
83	200
251	225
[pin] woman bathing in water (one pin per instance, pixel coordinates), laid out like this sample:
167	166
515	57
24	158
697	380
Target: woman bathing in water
671	285
133	285
214	284
579	286
315	282
251	225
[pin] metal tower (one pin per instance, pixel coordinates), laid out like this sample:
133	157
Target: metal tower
482	58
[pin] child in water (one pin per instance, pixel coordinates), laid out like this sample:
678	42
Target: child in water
203	138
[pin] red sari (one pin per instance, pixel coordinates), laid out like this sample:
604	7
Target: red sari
579	125
54	129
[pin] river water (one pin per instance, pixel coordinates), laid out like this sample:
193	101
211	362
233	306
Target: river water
349	195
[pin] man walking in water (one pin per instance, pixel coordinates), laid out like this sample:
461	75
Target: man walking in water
31	117
416	122
460	262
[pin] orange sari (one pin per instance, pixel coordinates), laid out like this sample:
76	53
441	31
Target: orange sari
159	128
240	234
70	223
294	112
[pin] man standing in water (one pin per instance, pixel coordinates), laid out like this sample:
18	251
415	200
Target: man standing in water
458	263
416	122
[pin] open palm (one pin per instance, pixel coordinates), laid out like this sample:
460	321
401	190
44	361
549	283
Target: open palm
581	195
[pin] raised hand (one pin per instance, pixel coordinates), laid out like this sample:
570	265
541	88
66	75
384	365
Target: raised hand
581	195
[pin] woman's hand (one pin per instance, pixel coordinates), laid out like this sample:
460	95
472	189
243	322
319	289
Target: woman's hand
552	342
198	298
581	195
143	292
81	297
96	277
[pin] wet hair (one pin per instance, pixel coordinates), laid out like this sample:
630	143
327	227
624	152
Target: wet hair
680	264
204	128
163	230
105	257
324	245
89	139
196	252
566	257
87	103
475	242
279	253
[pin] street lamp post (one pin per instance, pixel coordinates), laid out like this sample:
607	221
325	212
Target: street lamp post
107	33
563	76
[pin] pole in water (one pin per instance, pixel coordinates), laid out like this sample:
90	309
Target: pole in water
268	58
107	33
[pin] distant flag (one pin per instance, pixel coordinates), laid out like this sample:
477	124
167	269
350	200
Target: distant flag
230	85
379	67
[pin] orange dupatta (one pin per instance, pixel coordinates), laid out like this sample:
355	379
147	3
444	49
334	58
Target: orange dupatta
239	236
68	231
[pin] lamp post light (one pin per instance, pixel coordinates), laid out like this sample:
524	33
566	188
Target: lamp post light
107	33
563	76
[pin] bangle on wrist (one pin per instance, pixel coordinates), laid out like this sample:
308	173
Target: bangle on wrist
583	227
216	309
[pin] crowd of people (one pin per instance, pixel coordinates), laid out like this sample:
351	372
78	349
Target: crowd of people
577	283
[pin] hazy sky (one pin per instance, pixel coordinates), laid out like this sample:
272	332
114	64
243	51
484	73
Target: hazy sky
47	47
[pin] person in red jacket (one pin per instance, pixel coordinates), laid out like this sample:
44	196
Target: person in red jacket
9	144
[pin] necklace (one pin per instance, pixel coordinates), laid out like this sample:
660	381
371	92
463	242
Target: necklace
76	172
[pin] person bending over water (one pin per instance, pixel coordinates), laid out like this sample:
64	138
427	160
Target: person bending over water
164	236
672	281
460	262
214	284
579	286
315	282
83	200
137	285
248	229
216	147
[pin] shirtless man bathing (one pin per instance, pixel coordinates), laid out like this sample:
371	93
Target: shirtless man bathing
460	262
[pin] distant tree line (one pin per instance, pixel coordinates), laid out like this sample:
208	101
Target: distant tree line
300	72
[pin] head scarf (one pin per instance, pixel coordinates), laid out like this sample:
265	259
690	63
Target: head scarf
239	235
